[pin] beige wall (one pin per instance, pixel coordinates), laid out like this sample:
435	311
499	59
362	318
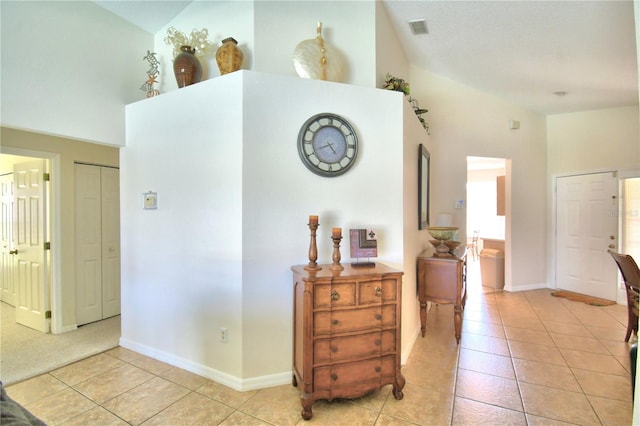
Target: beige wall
467	122
66	152
593	141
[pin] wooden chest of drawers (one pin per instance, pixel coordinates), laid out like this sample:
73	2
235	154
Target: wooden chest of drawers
346	332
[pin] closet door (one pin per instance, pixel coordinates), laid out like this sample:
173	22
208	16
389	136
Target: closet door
110	186
97	243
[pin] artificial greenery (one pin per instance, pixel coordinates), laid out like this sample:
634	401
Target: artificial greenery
396	84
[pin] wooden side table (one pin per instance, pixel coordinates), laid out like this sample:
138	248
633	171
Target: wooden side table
443	280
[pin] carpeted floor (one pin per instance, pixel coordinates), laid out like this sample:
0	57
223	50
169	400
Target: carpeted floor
25	353
577	297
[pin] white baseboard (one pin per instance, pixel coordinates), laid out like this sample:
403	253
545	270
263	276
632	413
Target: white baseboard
67	329
217	376
528	287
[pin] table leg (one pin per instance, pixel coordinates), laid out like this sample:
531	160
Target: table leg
423	317
457	321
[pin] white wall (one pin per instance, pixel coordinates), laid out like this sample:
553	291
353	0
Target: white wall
68	69
390	55
234	200
466	122
182	263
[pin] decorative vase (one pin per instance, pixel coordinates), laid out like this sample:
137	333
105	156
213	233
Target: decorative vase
229	56
187	67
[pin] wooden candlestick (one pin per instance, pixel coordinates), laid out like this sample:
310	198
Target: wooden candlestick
313	249
336	266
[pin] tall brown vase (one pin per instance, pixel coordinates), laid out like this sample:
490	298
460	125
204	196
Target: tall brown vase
229	56
187	67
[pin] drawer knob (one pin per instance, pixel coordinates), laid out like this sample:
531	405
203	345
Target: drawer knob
377	369
378	342
378	316
335	296
335	322
334	349
378	291
334	376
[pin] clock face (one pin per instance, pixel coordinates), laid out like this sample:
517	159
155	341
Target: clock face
327	145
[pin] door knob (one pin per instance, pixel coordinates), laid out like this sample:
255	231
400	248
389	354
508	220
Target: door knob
13	251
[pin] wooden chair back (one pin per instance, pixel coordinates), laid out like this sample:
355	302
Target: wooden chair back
631	276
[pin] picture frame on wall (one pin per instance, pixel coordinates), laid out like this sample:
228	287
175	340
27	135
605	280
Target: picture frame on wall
424	158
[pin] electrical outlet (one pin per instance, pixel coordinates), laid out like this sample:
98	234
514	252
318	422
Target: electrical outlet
459	204
223	335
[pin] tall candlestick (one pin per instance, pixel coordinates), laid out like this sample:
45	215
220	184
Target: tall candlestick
336	237
313	249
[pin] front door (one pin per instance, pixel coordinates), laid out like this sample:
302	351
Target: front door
31	268
587	224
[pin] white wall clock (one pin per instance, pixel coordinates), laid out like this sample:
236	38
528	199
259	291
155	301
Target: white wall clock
327	144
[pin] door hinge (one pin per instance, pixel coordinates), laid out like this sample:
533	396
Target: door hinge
46	177
47	245
47	315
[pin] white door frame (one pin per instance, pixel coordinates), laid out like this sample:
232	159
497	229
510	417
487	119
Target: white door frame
54	230
621	297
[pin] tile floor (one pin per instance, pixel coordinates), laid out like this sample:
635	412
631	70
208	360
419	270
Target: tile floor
524	359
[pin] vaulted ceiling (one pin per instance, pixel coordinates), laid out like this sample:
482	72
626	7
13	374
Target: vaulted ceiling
548	56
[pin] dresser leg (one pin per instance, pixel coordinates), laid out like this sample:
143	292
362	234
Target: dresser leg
398	384
423	317
306	401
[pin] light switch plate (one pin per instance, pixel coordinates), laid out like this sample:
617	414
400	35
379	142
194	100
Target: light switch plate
150	200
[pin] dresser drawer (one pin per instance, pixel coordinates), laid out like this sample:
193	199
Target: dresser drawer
343	321
334	295
376	291
354	373
340	349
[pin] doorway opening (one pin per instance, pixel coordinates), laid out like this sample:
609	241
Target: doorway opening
486	223
630	238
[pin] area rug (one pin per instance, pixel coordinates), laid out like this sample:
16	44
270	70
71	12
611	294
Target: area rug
577	297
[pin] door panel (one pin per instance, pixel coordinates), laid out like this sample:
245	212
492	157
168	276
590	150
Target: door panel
88	245
110	188
586	220
97	195
7	287
31	275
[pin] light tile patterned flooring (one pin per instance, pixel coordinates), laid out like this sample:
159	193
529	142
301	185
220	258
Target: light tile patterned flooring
524	358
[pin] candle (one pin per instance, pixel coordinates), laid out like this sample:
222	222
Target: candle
313	220
336	232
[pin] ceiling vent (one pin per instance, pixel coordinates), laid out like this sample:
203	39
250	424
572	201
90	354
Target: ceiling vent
418	26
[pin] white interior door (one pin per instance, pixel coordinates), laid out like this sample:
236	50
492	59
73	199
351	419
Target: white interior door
110	191
88	244
97	196
31	268
586	227
7	288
